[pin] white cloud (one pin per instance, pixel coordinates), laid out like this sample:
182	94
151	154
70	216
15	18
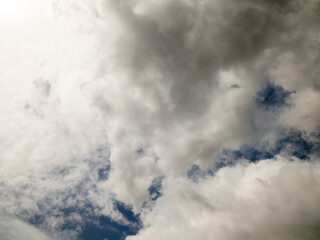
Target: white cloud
150	76
272	199
18	230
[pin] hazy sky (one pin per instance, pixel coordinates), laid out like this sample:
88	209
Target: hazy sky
159	119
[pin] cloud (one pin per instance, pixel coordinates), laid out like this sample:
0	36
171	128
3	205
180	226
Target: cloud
272	199
16	229
106	102
181	58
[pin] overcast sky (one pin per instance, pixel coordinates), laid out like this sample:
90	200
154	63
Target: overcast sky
159	119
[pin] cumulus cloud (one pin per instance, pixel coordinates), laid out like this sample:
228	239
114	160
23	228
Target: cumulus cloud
138	103
16	229
273	199
181	59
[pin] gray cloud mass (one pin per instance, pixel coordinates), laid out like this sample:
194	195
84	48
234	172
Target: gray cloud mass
199	116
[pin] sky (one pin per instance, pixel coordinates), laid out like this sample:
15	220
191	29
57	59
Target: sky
167	119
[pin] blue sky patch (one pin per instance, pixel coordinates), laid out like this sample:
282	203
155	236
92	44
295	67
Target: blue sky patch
103	227
155	188
291	142
155	192
273	97
195	173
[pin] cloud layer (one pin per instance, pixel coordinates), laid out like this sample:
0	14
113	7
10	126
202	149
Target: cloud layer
189	119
